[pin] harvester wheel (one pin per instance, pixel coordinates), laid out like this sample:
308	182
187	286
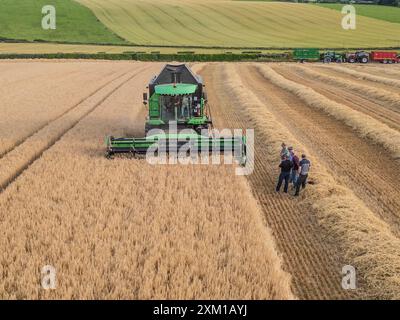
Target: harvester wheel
109	155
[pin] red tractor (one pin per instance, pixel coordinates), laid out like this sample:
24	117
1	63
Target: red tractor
385	56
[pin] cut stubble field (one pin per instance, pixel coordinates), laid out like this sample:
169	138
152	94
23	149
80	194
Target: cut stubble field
123	228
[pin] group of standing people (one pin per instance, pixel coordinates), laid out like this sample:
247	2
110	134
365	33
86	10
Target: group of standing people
293	170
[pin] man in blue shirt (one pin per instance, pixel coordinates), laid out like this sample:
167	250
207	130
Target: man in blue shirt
305	166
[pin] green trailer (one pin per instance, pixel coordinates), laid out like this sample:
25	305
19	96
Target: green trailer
308	54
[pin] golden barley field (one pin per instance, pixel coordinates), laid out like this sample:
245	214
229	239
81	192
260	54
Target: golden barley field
126	229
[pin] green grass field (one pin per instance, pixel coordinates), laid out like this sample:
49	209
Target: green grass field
21	19
390	14
238	23
207	24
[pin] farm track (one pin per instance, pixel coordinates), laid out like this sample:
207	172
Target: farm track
354	161
313	262
23	139
381	111
30	155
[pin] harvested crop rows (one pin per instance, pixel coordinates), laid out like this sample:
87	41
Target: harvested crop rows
123	228
383	107
353	162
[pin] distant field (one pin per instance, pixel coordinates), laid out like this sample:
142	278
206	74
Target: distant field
21	19
391	14
237	23
210	26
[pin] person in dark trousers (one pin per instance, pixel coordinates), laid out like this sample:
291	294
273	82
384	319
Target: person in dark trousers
305	166
296	165
286	166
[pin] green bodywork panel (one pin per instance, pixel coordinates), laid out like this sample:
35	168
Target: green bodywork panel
175	89
155	122
154	108
197	120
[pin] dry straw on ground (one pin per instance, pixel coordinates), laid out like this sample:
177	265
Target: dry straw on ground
365	125
34	94
367	76
366	240
17	159
125	229
386	96
388	71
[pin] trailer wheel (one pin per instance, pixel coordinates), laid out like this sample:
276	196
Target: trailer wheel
352	60
390	61
385	61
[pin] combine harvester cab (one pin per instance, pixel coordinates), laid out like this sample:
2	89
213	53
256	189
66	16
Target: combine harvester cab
179	118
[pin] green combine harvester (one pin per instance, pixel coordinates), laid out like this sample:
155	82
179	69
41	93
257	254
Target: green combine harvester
179	118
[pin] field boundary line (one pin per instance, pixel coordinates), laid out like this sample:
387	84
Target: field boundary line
19	165
364	125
